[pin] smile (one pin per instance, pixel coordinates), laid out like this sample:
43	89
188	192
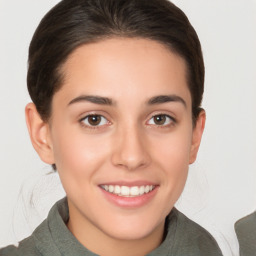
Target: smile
125	191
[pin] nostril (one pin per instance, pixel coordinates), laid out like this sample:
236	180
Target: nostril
130	159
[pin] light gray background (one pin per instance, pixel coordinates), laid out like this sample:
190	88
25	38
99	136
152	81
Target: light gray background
221	186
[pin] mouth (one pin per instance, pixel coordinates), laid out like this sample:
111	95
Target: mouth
126	191
129	195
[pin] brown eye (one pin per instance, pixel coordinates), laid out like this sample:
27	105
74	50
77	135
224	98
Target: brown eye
160	119
94	120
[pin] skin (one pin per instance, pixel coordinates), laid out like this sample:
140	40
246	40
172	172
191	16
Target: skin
128	144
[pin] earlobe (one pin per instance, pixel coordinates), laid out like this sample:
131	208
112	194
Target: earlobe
197	136
39	134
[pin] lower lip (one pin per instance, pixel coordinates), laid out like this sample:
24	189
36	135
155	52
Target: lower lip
130	202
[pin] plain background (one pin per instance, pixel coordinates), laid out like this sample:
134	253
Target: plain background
221	187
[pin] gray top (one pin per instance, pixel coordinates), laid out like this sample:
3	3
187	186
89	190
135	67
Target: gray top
52	238
246	233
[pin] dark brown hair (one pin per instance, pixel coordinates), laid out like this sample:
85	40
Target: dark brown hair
72	23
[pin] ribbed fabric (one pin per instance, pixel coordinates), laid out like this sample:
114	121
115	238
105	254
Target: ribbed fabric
52	238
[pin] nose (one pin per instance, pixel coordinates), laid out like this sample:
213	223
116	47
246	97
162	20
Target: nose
130	149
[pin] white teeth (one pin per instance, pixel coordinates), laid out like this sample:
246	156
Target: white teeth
125	191
110	189
117	190
134	191
128	191
142	190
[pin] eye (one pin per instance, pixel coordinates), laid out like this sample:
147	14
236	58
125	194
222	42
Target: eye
161	120
94	120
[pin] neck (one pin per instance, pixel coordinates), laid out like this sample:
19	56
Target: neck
102	244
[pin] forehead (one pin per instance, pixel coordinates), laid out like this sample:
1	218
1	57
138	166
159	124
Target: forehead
125	66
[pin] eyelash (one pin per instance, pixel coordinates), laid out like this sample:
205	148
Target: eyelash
90	126
86	124
171	121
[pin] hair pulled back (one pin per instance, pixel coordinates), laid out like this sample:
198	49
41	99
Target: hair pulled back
72	23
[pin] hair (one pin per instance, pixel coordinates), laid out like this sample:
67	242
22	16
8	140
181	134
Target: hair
72	23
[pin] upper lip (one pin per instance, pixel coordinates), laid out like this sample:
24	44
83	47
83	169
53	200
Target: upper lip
130	183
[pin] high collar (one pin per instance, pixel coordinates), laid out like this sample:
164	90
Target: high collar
61	242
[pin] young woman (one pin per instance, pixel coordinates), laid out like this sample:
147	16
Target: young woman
116	87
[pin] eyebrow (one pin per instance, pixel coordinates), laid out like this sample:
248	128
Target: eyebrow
160	99
166	98
93	99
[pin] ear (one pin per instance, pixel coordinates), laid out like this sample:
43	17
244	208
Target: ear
39	132
197	135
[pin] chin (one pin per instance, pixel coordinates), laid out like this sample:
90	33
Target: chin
134	229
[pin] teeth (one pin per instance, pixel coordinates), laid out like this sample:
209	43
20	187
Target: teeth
110	189
134	191
125	191
128	191
117	190
142	190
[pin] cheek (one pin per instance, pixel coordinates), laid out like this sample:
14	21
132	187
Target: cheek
77	156
173	150
171	160
172	154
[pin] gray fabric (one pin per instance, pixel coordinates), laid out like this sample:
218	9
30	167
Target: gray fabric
246	233
52	238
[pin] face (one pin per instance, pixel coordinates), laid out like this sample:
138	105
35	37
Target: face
121	136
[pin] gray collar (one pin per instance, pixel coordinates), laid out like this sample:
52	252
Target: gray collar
60	241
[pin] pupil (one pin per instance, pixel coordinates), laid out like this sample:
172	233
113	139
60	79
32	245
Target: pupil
160	120
94	120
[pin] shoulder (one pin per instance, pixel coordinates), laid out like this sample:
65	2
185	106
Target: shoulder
193	239
246	234
38	244
30	246
246	224
43	240
26	247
